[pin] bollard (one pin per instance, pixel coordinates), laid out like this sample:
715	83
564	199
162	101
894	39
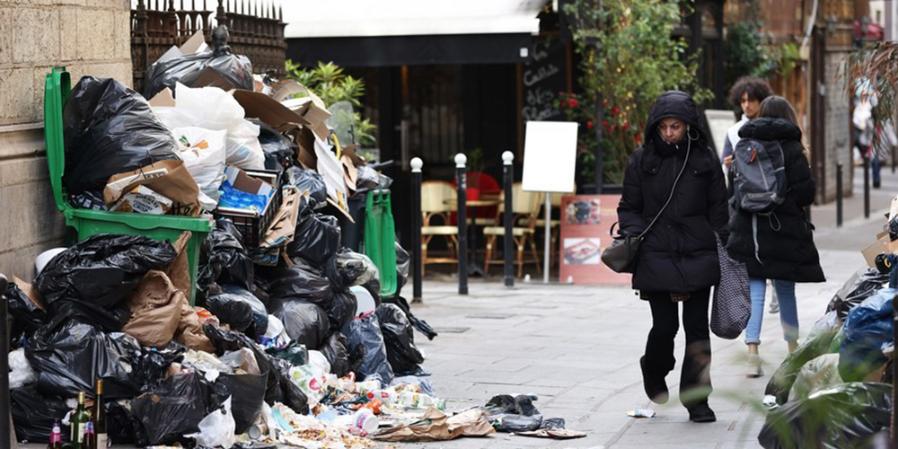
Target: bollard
508	216
416	164
839	195
5	417
866	187
461	181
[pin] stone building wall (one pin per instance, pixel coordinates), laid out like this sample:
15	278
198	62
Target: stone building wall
86	36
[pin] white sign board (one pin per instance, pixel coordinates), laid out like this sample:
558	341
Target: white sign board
719	121
550	156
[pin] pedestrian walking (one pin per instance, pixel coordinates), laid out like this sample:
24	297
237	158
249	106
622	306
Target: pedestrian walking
675	180
778	244
747	94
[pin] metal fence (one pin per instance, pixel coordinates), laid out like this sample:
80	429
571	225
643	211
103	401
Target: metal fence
256	30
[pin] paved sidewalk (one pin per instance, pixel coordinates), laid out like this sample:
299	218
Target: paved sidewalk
577	348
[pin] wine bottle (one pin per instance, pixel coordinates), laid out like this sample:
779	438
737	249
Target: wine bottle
101	440
78	423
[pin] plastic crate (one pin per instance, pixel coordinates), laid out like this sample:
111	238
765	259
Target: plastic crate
91	222
380	239
252	224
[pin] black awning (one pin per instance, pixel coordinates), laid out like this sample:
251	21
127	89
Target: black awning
382	51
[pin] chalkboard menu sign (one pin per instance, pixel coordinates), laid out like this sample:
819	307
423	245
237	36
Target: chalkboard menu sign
544	79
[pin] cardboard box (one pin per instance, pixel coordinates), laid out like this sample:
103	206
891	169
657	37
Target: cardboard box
308	105
168	178
882	245
279	117
246	183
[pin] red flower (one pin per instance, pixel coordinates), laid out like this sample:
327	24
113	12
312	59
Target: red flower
572	102
615	110
589	124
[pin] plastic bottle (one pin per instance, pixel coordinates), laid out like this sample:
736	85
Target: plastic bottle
388	396
411	399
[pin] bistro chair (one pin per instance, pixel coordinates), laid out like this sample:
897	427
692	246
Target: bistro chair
525	206
438	201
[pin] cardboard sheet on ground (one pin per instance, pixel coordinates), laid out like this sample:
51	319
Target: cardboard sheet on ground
550	156
436	426
169	178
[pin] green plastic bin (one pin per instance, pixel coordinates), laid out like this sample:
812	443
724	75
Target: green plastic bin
91	222
380	239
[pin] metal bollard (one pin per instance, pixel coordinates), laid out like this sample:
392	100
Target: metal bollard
866	187
461	181
416	164
5	416
508	216
839	195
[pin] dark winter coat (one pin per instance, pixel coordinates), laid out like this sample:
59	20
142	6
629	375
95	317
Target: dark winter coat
785	239
679	254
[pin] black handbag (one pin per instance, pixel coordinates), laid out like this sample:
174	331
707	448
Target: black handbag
621	256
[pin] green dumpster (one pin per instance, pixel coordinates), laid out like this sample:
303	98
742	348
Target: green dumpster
380	239
90	222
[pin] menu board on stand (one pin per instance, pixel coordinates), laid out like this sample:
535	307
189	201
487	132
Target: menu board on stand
585	225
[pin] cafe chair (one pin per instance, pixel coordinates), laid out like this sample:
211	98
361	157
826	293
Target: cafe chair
525	206
438	201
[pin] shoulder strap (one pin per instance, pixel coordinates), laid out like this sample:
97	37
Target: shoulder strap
672	189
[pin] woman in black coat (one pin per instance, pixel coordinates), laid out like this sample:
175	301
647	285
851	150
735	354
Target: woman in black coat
782	247
678	258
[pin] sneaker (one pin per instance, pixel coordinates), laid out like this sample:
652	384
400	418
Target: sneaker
774	305
655	386
701	413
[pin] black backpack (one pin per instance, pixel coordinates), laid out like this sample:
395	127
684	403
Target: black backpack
759	180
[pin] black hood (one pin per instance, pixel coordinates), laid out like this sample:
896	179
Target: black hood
677	104
767	128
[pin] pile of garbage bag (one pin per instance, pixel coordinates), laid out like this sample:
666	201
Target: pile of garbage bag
835	389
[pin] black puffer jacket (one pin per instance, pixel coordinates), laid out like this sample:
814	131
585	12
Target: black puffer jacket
788	253
679	254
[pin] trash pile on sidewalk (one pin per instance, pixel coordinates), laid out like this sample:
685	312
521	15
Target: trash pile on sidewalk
227	311
835	389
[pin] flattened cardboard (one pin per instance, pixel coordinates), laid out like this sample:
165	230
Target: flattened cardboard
30	291
882	245
164	99
309	105
279	117
282	228
246	183
176	184
196	44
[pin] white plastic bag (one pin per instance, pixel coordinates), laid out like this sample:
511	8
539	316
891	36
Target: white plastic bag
20	373
203	153
213	108
217	428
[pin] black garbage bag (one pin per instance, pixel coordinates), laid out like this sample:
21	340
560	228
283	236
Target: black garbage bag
237	70
226	260
279	387
121	425
867	329
279	149
247	395
308	181
305	323
781	382
290	394
417	323
299	282
856	289
69	357
364	338
336	354
317	238
175	408
152	363
846	416
91	280
33	414
350	268
240	309
27	317
341	310
402	353
109	129
403	265
295	353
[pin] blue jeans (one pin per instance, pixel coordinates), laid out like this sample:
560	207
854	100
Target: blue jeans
785	293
